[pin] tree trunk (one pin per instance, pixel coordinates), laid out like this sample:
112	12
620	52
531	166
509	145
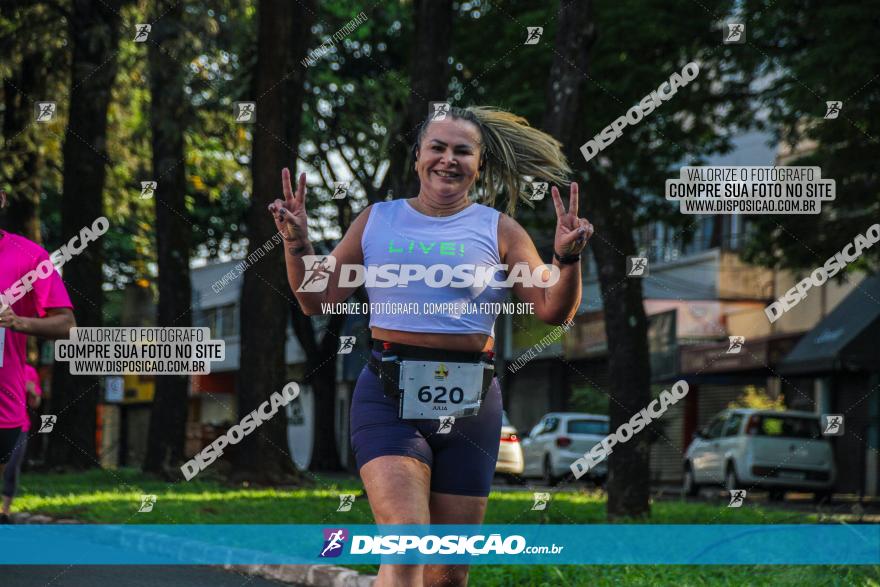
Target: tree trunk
26	82
321	376
429	81
167	59
94	35
608	210
626	328
283	32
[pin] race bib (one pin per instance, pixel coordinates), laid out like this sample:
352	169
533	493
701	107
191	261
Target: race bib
434	389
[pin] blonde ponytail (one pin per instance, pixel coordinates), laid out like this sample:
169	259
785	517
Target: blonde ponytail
512	150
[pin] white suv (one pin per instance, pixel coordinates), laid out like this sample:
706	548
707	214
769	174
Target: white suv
774	450
559	439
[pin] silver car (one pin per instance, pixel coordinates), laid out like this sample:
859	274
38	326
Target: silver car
769	449
559	439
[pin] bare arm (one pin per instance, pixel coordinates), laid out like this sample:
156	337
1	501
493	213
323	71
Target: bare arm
322	280
347	252
56	324
559	302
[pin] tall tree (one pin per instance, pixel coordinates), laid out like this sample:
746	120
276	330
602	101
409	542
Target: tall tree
350	93
625	321
633	53
804	53
33	53
167	45
282	37
93	33
429	82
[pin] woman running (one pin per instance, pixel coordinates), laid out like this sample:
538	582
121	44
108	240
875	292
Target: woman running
44	310
418	467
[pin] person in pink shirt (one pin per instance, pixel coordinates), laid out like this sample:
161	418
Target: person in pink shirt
43	310
13	467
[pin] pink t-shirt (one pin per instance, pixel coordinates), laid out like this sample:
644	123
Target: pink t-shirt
30	374
19	255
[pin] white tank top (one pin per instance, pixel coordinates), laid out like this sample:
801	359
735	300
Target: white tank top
397	234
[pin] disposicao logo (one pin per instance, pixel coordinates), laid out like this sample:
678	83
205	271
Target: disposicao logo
334	540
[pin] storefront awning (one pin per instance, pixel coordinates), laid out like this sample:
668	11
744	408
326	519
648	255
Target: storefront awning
847	339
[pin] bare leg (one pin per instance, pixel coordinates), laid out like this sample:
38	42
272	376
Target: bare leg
398	489
447	508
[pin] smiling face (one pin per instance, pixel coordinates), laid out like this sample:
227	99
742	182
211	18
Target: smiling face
448	158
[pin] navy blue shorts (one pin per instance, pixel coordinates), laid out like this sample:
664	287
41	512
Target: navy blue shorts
462	461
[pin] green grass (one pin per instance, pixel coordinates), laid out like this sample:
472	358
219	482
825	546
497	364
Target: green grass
114	497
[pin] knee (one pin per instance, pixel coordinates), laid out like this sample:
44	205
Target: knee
446	575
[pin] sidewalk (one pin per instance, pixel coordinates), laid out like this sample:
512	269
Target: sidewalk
299	575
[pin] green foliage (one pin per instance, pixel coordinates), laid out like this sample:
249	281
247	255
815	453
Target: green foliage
758	399
809	53
588	399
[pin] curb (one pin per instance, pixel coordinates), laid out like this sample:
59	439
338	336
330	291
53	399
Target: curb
311	575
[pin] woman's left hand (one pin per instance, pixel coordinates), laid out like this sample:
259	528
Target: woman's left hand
572	233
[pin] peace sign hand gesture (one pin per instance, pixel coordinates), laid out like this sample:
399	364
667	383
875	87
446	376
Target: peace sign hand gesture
572	233
290	215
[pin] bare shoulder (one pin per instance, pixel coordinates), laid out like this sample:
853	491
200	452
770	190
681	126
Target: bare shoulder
510	233
360	222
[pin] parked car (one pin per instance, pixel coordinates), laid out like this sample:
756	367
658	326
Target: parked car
774	450
510	455
558	440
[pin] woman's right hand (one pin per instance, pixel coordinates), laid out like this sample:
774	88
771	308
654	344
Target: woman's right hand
290	215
